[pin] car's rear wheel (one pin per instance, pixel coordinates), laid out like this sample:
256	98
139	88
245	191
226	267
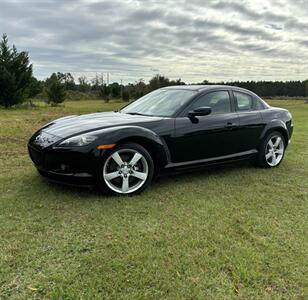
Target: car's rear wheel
126	170
272	150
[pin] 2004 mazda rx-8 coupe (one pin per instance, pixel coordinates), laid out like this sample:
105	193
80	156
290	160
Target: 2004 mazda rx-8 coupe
172	128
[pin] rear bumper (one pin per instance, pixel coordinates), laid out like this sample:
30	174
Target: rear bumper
290	133
290	130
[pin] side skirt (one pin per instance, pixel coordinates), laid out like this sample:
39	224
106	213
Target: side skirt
212	161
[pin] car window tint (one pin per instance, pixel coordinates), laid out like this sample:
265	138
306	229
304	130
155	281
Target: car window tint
244	102
218	101
259	104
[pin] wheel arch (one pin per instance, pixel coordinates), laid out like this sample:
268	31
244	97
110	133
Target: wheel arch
157	151
146	138
276	125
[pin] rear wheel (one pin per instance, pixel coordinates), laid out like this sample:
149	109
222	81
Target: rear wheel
272	150
128	169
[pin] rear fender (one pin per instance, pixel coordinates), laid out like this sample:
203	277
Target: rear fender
275	125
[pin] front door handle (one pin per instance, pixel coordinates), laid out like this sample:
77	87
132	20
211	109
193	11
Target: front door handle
230	125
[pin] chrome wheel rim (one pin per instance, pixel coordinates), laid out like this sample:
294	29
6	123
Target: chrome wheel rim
274	150
125	171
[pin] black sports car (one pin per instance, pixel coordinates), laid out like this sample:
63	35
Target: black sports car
172	128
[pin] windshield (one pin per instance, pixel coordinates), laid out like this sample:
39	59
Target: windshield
159	103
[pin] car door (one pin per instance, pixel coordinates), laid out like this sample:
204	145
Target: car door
250	121
206	137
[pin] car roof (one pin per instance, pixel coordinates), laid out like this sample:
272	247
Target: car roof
199	88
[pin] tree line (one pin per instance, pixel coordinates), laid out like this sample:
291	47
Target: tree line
17	83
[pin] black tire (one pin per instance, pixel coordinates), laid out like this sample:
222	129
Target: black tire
261	159
108	162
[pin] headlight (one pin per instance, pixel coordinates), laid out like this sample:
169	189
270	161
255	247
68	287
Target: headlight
77	141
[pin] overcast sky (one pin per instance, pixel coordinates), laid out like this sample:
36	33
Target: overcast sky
193	40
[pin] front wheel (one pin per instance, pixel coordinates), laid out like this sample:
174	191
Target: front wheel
128	169
272	150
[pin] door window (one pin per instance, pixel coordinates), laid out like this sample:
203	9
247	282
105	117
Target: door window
218	101
259	105
244	102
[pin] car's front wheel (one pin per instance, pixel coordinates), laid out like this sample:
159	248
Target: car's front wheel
272	150
128	169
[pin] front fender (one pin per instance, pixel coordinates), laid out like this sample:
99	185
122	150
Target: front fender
115	135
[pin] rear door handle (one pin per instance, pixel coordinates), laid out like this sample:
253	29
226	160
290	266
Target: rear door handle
231	125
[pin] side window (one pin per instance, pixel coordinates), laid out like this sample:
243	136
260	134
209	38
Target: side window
244	102
259	104
219	102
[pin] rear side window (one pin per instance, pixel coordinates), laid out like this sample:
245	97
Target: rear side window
218	101
259	104
244	102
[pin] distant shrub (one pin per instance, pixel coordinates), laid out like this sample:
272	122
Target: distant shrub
104	93
55	92
77	95
125	96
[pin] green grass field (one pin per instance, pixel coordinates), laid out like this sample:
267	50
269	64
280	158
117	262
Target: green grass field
233	232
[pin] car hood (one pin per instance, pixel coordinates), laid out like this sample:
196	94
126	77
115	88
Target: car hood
73	125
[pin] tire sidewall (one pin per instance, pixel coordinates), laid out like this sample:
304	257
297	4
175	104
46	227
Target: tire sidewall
100	178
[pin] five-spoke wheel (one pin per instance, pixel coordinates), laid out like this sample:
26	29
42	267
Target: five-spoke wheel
272	150
127	169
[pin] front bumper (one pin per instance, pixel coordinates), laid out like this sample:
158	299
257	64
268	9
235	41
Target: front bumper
80	179
67	166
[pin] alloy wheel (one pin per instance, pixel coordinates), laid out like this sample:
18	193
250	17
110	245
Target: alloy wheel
274	150
125	171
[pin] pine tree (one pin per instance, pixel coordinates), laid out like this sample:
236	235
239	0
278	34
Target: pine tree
15	74
55	91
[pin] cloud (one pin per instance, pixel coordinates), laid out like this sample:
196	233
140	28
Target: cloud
273	26
193	40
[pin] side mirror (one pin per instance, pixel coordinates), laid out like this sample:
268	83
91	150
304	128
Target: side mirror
201	111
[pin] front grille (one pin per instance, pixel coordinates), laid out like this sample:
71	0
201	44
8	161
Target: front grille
36	156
